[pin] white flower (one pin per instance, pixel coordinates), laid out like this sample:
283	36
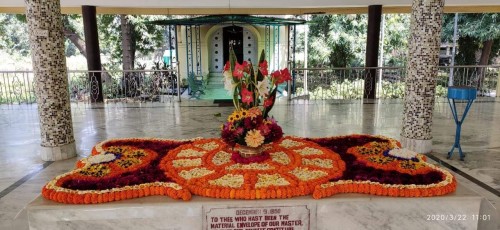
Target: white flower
402	153
195	173
101	158
265	180
228	180
263	87
186	162
229	85
227	75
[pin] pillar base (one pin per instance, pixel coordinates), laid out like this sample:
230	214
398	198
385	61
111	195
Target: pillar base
419	146
58	153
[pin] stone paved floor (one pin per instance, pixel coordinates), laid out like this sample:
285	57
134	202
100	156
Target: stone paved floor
22	173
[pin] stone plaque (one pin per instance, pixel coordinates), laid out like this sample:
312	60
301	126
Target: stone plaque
279	217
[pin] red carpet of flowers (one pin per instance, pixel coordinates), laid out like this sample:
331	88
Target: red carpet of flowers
129	168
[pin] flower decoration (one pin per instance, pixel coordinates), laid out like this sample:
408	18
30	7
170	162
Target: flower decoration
401	154
249	128
254	95
130	168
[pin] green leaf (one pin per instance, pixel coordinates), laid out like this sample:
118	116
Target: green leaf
236	102
232	58
260	77
273	95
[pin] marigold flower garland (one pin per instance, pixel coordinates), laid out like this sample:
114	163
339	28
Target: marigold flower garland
130	168
117	159
283	173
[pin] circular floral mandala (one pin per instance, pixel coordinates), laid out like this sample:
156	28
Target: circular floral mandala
295	167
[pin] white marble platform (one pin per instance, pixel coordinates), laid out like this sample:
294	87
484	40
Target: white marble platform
344	211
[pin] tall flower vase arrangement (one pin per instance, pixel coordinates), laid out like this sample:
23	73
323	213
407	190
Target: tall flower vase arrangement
249	127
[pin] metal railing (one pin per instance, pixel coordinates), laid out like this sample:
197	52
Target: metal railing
162	85
349	83
117	86
125	86
17	87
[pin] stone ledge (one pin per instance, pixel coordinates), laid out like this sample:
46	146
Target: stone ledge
343	211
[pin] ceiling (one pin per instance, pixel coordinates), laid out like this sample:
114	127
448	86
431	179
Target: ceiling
252	6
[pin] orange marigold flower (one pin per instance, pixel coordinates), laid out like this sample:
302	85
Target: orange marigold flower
254	138
254	112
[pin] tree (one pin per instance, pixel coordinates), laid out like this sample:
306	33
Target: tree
395	42
337	40
125	35
14	34
128	42
475	32
74	35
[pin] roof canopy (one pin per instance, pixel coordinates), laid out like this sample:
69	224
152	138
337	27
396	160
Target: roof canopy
229	19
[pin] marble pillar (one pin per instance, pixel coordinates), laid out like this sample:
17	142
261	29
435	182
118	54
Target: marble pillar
49	67
423	59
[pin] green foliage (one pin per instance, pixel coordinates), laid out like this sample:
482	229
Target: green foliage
146	37
441	91
392	90
337	40
397	31
353	89
14	35
480	26
473	30
340	40
346	89
72	22
466	54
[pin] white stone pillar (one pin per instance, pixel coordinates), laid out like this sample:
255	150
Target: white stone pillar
51	79
423	59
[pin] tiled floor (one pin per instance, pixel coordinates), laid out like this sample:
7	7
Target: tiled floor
22	173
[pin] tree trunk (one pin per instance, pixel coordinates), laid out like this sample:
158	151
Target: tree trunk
485	52
485	56
80	45
76	40
128	46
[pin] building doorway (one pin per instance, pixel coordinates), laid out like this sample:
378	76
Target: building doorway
233	36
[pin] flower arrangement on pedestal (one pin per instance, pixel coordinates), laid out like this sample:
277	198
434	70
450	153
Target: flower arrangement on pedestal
249	127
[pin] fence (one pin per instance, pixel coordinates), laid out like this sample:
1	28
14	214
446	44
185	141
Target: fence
17	87
162	85
117	86
349	83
